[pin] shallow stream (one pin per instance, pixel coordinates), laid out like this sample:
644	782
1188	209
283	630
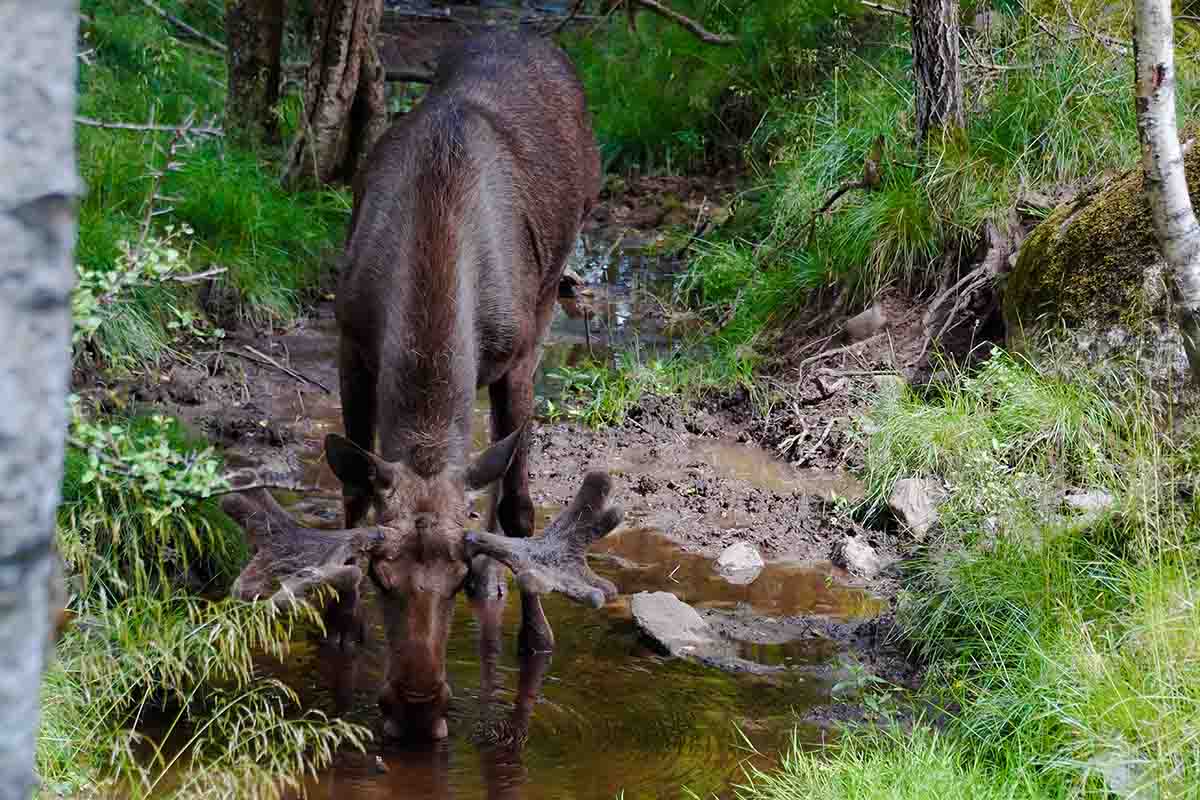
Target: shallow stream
612	715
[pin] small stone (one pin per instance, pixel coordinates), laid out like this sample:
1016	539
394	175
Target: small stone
866	324
913	501
857	557
1088	502
739	557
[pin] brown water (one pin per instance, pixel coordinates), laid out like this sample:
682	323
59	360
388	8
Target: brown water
611	714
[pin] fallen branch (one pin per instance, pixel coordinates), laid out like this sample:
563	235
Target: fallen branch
196	277
838	350
134	126
183	26
899	12
285	486
695	28
260	357
575	9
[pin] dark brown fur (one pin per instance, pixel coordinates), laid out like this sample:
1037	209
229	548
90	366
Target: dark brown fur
464	215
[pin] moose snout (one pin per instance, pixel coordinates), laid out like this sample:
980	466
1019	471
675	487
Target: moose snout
416	714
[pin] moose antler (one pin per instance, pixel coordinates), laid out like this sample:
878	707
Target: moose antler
557	560
298	560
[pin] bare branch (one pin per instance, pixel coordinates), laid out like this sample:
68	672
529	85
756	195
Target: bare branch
183	26
899	12
691	25
259	357
133	126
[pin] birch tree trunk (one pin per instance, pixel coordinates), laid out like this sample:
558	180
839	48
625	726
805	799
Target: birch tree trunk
345	105
935	65
1162	162
38	186
254	29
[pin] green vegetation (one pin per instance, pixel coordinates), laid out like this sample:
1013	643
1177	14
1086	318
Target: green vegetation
1063	645
147	186
1024	132
135	528
1037	103
661	98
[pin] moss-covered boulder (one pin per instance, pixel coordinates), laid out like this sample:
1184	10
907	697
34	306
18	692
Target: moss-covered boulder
1094	270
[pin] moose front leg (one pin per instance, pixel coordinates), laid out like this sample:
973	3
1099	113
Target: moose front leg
512	408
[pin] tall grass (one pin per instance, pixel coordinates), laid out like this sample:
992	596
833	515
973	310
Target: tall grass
1061	646
1042	112
154	691
662	99
184	668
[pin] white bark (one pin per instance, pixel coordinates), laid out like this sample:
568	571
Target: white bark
38	184
1162	161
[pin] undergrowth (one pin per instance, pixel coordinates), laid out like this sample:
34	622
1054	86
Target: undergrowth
662	99
1061	640
1044	111
154	689
268	245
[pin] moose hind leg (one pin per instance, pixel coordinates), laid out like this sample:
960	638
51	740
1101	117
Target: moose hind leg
359	407
512	407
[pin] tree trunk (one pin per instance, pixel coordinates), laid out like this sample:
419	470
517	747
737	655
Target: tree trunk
935	66
38	186
1162	161
255	37
345	108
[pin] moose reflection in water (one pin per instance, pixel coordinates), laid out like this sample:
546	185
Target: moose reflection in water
423	770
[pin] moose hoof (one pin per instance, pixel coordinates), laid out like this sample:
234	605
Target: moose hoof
440	729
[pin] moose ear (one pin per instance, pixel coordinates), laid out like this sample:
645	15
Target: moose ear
494	462
355	467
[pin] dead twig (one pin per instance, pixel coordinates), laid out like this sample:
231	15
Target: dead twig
899	12
575	9
812	451
284	486
689	24
183	26
260	357
133	126
196	277
838	350
698	230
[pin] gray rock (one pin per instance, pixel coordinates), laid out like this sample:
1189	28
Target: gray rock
913	502
1088	502
856	556
673	625
866	324
740	563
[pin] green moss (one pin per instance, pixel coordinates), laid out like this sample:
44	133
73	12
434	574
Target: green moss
1087	262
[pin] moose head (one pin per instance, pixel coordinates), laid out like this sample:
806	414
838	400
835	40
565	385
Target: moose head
419	553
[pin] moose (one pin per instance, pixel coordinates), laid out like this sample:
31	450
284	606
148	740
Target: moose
464	214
